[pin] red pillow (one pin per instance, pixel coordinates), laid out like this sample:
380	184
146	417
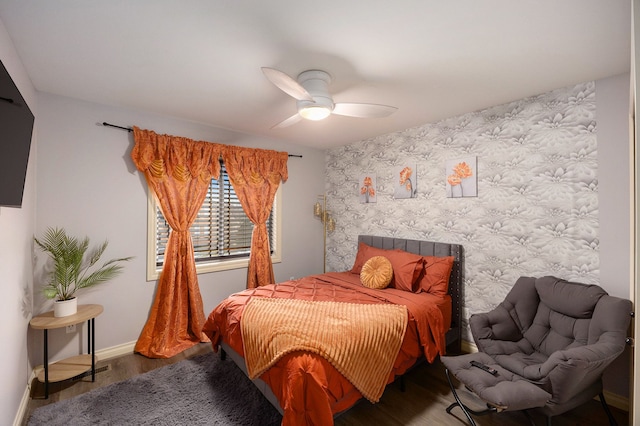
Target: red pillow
407	267
361	258
435	276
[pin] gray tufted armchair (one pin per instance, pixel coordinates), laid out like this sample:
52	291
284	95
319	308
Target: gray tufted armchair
546	345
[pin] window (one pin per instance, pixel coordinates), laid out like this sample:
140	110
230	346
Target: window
221	233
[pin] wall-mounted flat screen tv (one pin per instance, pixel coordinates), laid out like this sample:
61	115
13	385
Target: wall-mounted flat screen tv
16	127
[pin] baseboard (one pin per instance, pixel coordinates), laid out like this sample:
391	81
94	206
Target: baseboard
102	354
116	351
614	400
617	401
22	409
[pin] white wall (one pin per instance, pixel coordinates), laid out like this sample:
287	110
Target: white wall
16	231
88	184
612	99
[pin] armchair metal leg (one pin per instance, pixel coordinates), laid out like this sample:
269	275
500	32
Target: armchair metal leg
466	410
612	421
528	415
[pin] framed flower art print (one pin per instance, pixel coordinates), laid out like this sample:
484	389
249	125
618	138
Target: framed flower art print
405	181
367	188
462	177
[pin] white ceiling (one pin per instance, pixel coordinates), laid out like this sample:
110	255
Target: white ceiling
200	60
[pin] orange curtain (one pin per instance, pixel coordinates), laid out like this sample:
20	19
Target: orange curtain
178	171
255	175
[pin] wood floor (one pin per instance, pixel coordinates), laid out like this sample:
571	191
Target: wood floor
424	401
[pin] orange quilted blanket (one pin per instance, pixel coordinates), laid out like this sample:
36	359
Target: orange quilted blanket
360	340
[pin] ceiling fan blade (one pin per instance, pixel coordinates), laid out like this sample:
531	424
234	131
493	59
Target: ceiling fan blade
363	110
287	84
288	122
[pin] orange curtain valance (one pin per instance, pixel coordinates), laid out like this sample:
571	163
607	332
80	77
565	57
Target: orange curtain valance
255	165
168	154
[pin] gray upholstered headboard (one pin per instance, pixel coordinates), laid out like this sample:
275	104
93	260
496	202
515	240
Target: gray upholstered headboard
430	248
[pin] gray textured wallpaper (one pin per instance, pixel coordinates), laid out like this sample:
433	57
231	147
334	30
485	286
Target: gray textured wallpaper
536	209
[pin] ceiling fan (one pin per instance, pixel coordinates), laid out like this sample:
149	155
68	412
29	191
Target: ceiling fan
314	102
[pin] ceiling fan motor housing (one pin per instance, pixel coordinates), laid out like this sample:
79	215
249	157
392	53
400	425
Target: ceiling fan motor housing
316	82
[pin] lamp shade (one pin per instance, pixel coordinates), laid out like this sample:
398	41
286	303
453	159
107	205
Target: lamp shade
331	224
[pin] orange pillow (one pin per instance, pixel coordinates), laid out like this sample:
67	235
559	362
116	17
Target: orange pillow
435	276
361	257
377	272
407	267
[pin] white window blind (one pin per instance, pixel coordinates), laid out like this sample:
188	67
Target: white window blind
221	231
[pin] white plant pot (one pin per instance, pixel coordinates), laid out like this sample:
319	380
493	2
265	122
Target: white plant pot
64	308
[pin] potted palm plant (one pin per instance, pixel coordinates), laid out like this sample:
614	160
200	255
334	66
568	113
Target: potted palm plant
73	268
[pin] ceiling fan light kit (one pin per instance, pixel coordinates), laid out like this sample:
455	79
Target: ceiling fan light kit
314	102
314	112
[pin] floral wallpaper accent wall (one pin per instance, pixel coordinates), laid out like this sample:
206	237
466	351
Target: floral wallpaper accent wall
536	210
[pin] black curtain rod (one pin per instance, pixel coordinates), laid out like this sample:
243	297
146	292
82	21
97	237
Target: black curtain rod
129	129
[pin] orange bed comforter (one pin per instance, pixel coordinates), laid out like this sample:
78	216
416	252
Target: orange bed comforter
309	388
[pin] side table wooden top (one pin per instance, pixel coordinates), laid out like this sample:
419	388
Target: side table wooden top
47	321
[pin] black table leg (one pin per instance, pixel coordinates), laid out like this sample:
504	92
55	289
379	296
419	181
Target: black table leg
92	342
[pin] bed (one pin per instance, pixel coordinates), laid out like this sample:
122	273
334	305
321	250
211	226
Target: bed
418	317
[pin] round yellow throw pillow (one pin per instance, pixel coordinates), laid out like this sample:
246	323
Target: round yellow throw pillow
376	272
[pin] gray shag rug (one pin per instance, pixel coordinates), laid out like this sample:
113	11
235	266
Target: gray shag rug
203	390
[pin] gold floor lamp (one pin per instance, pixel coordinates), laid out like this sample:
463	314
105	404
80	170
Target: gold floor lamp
328	222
